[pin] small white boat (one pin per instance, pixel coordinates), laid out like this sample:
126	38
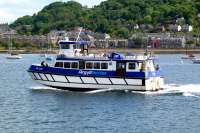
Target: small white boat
48	58
196	61
188	56
14	56
42	55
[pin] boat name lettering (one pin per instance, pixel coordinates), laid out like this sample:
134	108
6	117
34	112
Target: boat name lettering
85	72
91	73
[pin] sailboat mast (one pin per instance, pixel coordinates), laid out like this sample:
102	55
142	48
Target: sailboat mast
10	44
78	37
79	34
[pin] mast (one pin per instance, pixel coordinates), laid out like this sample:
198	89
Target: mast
10	44
78	36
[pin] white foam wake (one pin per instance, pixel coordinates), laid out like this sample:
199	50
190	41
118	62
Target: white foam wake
44	88
189	90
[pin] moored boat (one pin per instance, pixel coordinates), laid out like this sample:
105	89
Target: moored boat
13	56
196	61
49	58
77	70
188	56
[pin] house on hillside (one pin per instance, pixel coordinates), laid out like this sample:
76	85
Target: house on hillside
136	27
159	28
4	28
198	16
174	28
187	28
173	42
54	35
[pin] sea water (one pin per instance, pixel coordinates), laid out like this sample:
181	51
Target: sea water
28	107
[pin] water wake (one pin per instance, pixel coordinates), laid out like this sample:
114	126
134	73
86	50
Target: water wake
188	90
44	88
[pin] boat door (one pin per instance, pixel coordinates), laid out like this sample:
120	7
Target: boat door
120	68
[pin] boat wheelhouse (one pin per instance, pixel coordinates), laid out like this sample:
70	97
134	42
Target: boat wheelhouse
77	70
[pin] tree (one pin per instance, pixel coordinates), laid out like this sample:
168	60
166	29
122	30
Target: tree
111	16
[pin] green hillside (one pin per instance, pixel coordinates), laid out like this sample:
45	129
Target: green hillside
116	17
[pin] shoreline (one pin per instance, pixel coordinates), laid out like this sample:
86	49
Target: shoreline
120	50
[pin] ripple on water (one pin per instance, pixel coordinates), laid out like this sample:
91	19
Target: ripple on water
27	109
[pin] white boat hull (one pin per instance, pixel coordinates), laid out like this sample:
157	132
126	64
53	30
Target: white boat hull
196	61
14	57
94	83
187	57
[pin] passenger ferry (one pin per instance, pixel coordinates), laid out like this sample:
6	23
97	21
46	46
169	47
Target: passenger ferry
77	70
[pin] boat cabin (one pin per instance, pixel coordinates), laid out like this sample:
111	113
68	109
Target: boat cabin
73	48
120	67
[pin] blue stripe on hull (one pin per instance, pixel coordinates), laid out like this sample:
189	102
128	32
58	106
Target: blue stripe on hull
84	73
90	73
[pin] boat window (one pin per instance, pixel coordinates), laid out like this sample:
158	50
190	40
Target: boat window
104	65
74	64
59	64
67	64
97	65
82	64
76	46
89	65
121	65
132	66
65	46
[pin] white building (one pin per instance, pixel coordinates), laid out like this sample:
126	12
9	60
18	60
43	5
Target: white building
175	28
4	28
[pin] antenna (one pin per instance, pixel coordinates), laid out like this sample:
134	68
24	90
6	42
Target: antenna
78	36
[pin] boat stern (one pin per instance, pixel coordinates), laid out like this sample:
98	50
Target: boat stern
154	83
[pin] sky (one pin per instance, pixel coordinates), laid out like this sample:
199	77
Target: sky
10	10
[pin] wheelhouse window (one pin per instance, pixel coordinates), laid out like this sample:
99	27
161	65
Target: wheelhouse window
65	46
75	65
132	66
121	65
97	65
76	46
67	64
59	64
104	65
89	65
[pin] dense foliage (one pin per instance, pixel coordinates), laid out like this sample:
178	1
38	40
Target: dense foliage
116	17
